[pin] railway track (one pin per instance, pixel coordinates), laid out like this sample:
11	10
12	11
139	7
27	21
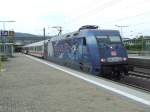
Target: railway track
140	74
137	80
138	87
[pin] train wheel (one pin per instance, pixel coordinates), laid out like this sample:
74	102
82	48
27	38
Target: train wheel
118	76
81	66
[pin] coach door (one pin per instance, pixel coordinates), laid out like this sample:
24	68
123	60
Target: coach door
85	63
50	49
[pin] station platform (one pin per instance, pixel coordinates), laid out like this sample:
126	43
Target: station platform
139	61
27	85
138	56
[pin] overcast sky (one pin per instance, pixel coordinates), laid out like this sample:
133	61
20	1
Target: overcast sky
32	15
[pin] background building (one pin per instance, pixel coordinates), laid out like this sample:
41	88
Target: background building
21	39
9	44
140	44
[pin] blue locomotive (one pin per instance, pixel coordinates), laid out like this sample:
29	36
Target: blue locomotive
100	52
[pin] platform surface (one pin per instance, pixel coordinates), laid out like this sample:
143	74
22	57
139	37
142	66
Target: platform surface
138	56
30	86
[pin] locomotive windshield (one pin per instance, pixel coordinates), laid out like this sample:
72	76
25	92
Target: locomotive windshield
108	39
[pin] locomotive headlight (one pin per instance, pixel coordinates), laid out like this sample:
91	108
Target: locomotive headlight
103	60
124	59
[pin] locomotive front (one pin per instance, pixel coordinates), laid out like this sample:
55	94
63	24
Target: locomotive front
113	55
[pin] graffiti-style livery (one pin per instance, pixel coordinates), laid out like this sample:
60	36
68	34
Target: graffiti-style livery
100	52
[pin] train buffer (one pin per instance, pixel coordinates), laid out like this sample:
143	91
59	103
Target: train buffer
30	84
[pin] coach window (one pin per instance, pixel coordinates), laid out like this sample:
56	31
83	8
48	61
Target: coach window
40	48
37	48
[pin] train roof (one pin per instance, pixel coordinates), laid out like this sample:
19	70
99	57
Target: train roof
40	43
84	32
77	34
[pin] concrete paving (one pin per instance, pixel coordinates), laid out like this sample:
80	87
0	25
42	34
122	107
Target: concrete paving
30	86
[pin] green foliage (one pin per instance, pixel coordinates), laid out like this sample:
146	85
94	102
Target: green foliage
139	45
133	47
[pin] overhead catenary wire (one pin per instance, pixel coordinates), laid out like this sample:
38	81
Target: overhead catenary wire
98	9
129	17
104	6
107	5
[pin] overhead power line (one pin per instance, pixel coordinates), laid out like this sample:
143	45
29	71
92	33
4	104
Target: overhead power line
121	28
99	8
59	28
140	23
128	17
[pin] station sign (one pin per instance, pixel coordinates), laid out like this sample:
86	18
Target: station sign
11	33
7	33
4	33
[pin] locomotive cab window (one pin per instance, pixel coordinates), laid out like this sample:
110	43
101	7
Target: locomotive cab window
115	38
108	39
